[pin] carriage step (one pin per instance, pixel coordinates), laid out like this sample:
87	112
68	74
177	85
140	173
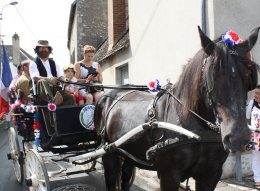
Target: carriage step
28	182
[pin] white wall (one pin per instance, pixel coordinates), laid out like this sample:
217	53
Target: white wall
163	36
240	16
163	33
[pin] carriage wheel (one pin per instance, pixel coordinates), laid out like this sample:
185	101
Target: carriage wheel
36	173
15	154
27	146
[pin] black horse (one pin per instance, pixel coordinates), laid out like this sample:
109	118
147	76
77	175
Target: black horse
211	90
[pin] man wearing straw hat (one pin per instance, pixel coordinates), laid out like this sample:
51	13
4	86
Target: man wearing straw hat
45	72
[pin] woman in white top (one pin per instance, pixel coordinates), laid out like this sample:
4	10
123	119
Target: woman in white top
90	72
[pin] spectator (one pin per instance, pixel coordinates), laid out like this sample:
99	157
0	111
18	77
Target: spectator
72	89
253	114
89	71
23	85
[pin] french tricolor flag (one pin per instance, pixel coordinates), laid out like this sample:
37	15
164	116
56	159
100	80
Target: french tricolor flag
6	79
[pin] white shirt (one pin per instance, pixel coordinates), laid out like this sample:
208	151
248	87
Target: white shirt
84	72
249	108
35	72
72	86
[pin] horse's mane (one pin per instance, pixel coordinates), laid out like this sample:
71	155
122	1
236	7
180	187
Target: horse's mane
189	86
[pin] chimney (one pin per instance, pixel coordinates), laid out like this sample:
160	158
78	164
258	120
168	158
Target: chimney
16	49
117	20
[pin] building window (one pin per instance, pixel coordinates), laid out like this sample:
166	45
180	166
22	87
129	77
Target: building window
122	75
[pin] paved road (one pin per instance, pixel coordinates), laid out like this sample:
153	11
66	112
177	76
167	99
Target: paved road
8	180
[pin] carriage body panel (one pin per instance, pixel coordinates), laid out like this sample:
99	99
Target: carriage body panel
63	127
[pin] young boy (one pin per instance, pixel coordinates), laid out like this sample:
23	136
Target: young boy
72	89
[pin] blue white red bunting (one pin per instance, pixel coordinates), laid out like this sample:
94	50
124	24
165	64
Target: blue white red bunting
231	38
154	85
19	104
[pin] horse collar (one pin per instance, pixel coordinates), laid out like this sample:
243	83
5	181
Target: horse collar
151	109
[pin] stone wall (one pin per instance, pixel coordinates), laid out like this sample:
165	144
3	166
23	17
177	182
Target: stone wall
91	23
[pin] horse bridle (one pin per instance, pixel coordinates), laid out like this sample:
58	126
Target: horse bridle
215	127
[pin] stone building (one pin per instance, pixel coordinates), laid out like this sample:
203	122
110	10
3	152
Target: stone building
114	54
87	25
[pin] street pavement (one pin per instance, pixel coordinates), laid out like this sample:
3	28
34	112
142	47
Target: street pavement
151	182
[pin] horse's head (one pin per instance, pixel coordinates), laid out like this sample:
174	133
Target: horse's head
227	75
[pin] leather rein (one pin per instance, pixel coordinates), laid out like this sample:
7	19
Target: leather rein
168	89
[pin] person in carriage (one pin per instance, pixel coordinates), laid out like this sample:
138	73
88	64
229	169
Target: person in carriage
11	93
46	73
23	84
72	89
88	71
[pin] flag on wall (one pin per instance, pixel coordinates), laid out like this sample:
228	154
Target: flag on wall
6	79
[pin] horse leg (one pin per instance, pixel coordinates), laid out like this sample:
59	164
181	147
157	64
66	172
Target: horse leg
127	172
209	181
112	168
169	181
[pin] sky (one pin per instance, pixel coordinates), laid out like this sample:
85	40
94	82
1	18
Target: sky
35	20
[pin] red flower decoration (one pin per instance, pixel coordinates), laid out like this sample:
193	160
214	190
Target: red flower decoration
52	107
36	125
152	84
234	35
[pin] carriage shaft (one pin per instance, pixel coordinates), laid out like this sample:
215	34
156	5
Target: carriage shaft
112	146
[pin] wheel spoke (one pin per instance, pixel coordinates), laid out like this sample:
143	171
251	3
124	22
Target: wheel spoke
36	167
30	171
42	187
41	180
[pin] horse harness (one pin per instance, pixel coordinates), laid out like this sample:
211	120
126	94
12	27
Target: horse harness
162	145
